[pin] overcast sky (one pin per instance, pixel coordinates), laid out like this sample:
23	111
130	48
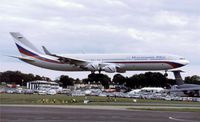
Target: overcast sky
101	26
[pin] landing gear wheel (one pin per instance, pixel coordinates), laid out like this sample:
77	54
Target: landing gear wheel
165	74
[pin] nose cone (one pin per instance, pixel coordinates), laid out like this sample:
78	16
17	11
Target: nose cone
180	63
184	62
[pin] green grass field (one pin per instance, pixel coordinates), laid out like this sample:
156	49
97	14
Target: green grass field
94	100
141	104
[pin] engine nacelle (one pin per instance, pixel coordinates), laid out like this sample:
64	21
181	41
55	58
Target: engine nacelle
93	67
110	68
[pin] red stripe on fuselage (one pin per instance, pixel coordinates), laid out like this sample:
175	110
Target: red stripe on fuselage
173	64
29	53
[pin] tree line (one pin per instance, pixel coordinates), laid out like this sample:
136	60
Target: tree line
17	77
148	79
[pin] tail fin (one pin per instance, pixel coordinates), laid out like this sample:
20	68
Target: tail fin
25	47
178	78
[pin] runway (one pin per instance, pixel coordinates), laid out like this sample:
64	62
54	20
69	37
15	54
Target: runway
78	114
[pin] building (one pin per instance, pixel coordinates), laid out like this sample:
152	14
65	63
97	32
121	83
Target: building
41	85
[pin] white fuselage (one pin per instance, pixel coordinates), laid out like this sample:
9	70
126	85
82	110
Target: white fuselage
128	62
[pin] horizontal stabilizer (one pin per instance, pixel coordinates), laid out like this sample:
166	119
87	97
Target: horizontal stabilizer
23	58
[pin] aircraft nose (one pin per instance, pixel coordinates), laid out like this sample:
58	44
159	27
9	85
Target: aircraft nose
185	62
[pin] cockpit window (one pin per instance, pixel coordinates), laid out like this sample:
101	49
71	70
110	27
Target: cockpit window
182	58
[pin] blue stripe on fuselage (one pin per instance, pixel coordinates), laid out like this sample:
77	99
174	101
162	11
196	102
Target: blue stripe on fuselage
29	53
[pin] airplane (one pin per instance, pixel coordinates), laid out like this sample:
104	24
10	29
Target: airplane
192	90
110	63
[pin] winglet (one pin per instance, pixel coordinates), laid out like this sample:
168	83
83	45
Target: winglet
46	51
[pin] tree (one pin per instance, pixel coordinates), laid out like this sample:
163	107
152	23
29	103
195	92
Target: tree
119	79
134	81
16	77
37	77
148	79
102	78
195	79
77	81
65	81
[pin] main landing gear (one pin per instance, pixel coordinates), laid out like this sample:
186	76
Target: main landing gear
166	74
93	72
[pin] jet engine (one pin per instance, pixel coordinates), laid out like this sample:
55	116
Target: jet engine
109	68
93	66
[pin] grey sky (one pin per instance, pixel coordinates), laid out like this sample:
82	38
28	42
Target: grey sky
101	26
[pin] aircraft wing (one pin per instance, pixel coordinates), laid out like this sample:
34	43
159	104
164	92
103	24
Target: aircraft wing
68	60
84	64
71	60
185	89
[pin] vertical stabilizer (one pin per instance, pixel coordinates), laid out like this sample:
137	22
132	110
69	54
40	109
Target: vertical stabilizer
178	77
23	45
